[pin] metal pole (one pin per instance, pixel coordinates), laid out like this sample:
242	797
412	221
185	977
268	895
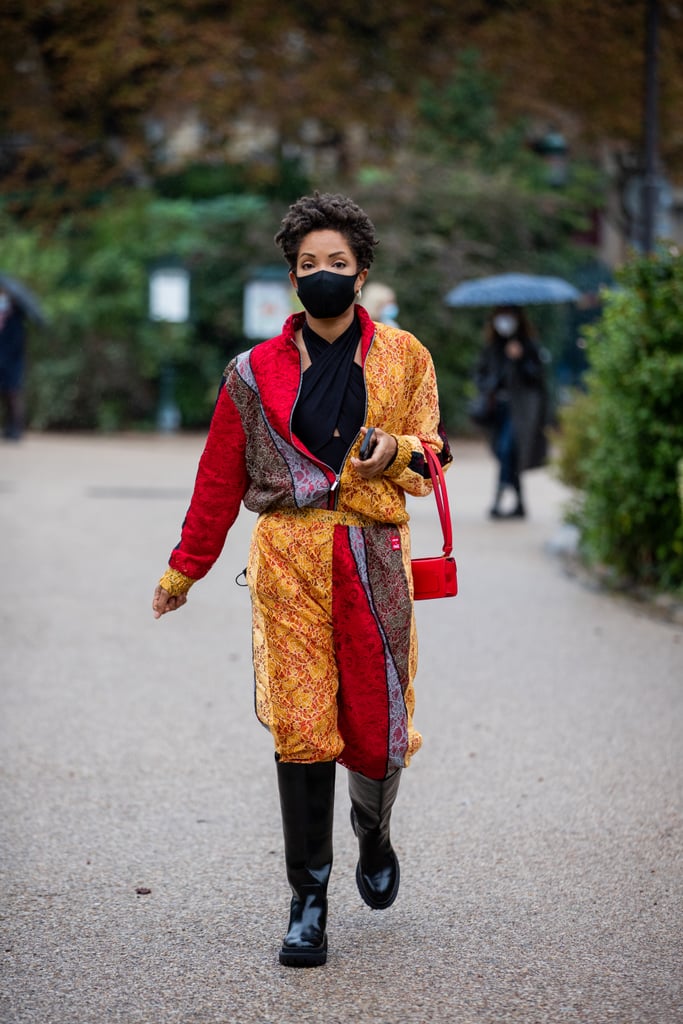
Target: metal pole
650	189
168	413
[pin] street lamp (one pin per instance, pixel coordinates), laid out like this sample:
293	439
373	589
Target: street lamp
553	148
169	303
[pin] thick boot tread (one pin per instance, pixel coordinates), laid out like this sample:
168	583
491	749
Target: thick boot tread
313	956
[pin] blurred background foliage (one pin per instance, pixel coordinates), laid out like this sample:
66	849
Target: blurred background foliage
466	197
97	364
622	441
91	92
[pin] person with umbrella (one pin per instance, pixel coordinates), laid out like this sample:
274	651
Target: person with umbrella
511	382
12	363
512	399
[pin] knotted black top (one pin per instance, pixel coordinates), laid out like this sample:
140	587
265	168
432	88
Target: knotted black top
332	396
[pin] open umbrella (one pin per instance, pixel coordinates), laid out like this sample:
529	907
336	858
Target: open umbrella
24	298
512	290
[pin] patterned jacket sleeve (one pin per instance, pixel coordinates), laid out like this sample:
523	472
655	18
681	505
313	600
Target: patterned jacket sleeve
422	418
219	488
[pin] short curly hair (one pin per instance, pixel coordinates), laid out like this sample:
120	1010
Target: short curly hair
320	212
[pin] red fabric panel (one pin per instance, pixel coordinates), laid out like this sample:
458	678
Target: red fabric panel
276	366
368	332
220	485
363	708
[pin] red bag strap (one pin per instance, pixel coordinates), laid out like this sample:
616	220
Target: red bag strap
441	497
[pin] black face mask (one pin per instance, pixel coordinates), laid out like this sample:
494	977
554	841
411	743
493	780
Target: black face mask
326	295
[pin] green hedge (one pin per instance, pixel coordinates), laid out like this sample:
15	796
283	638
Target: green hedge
622	444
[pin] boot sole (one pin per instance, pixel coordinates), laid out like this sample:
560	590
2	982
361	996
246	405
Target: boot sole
315	957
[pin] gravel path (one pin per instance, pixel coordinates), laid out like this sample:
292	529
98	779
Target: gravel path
539	829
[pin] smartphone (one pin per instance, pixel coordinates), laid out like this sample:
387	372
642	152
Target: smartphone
365	449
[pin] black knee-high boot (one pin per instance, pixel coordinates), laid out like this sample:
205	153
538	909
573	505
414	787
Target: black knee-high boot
377	873
518	511
307	804
496	511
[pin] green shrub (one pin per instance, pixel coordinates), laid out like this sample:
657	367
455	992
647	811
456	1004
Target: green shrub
575	438
630	516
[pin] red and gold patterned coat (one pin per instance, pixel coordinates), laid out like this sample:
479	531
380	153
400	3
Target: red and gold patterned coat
251	455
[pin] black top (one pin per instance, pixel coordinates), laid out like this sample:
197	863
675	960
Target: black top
332	396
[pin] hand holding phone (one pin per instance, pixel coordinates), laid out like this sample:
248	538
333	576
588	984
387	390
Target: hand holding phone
366	449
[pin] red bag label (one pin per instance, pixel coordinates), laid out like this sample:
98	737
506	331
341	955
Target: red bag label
395	543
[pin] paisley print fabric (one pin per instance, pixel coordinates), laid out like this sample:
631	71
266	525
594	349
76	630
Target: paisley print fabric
280	474
372	689
331	599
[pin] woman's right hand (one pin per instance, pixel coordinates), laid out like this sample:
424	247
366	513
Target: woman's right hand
382	454
514	349
164	602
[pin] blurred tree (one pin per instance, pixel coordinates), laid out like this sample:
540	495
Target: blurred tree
92	90
469	200
587	59
464	198
92	93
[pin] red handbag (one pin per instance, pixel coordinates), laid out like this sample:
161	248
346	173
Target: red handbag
437	577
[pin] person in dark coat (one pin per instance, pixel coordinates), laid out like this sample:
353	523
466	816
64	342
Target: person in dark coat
12	358
510	378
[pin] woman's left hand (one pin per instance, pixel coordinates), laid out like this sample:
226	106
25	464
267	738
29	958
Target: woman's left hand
383	452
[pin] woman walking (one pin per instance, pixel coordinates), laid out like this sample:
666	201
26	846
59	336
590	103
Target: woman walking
334	641
511	383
